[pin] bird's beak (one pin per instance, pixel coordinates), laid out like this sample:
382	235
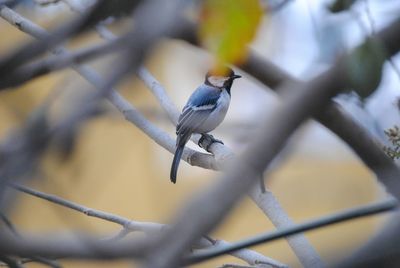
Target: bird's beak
235	76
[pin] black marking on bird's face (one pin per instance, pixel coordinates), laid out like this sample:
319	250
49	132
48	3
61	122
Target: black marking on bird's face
222	82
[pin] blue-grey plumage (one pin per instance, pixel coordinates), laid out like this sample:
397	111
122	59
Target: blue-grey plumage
204	111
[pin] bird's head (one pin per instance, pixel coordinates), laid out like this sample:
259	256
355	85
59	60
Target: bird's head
221	80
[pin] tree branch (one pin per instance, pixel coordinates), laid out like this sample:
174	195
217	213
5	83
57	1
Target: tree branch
150	228
350	214
102	9
62	59
10	226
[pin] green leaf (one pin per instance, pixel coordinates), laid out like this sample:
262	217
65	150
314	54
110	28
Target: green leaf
364	67
341	5
227	26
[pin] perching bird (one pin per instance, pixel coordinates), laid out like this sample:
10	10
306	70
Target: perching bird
204	111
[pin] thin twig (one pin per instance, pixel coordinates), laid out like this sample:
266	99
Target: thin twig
131	225
8	224
231	265
10	262
121	234
14	231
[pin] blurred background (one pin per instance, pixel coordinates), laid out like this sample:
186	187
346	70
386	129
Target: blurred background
118	169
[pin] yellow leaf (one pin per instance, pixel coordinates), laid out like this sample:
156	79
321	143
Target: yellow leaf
227	26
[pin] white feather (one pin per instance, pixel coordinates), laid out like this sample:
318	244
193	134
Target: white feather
204	107
217	116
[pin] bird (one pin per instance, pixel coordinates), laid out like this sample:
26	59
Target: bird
204	111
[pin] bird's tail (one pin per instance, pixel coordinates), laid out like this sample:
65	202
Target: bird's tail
175	162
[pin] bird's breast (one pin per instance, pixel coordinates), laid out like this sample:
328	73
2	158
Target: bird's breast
217	115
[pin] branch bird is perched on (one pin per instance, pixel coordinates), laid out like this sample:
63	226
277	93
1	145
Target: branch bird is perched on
204	111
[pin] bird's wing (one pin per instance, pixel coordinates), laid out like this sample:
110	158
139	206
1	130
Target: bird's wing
202	102
204	96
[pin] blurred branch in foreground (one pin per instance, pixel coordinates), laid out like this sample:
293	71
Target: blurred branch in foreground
350	214
97	12
219	198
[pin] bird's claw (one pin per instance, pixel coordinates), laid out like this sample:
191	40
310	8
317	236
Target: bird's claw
207	140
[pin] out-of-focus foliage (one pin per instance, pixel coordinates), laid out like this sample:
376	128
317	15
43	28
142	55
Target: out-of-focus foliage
365	67
393	135
227	26
341	5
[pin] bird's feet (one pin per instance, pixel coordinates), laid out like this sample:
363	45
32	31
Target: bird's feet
207	140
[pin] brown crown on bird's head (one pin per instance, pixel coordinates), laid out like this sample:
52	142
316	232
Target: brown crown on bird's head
222	79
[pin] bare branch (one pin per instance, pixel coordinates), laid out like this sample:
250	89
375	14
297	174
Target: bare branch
271	207
149	228
46	2
10	262
101	10
8	224
78	246
14	231
131	225
159	92
221	247
121	234
62	60
230	265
